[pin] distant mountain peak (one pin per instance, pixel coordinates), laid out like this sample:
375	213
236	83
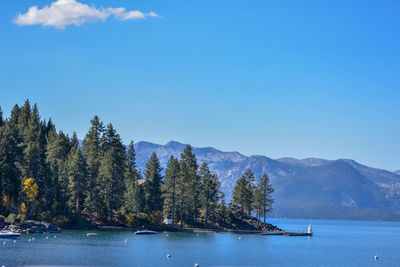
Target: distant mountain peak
173	143
304	188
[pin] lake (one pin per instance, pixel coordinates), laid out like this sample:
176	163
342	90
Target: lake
335	243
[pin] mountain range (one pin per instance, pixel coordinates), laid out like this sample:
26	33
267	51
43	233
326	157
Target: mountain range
304	188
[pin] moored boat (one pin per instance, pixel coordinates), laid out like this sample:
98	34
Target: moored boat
9	234
145	232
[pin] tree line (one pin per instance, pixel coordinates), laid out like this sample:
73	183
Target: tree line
46	174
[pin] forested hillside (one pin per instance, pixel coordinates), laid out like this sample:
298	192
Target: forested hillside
48	175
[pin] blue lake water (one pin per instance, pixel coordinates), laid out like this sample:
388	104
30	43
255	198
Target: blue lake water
335	243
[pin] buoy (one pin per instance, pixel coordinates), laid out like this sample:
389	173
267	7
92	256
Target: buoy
168	255
47	237
126	240
33	238
29	240
376	257
55	236
196	265
15	241
239	237
197	234
4	242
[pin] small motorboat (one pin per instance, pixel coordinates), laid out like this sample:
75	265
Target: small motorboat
145	232
9	234
91	234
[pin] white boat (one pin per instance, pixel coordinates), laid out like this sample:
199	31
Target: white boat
9	234
91	234
145	232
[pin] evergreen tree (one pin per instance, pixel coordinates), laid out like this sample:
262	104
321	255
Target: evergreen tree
92	152
192	181
210	190
112	174
57	149
76	171
169	188
131	184
264	195
153	184
139	195
243	193
9	173
182	190
1	118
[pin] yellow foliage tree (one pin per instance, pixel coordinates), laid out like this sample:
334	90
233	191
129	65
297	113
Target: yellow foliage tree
30	189
22	208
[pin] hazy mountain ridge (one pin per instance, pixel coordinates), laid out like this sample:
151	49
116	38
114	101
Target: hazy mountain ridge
307	188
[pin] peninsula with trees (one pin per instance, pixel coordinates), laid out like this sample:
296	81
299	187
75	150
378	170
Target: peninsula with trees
47	175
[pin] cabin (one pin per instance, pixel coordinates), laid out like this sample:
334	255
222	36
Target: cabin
167	221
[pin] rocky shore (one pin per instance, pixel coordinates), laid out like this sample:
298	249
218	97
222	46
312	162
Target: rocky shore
31	226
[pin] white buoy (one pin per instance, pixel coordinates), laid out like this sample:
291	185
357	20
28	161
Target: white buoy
55	236
196	265
376	257
15	241
239	237
33	238
47	237
4	242
29	240
126	240
168	255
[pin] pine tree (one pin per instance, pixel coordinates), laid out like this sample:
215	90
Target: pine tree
153	184
112	174
182	190
131	177
92	152
34	155
139	195
210	189
57	149
9	172
243	193
76	171
169	188
1	118
192	180
264	195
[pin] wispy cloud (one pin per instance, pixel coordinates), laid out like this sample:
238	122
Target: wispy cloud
62	13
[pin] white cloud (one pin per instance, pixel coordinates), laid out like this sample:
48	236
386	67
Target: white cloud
62	13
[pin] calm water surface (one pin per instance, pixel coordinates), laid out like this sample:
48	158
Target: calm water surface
335	243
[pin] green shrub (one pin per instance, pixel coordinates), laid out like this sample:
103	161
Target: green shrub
156	218
44	216
21	217
61	220
131	220
11	217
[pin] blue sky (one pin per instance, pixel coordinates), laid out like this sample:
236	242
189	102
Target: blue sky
277	78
